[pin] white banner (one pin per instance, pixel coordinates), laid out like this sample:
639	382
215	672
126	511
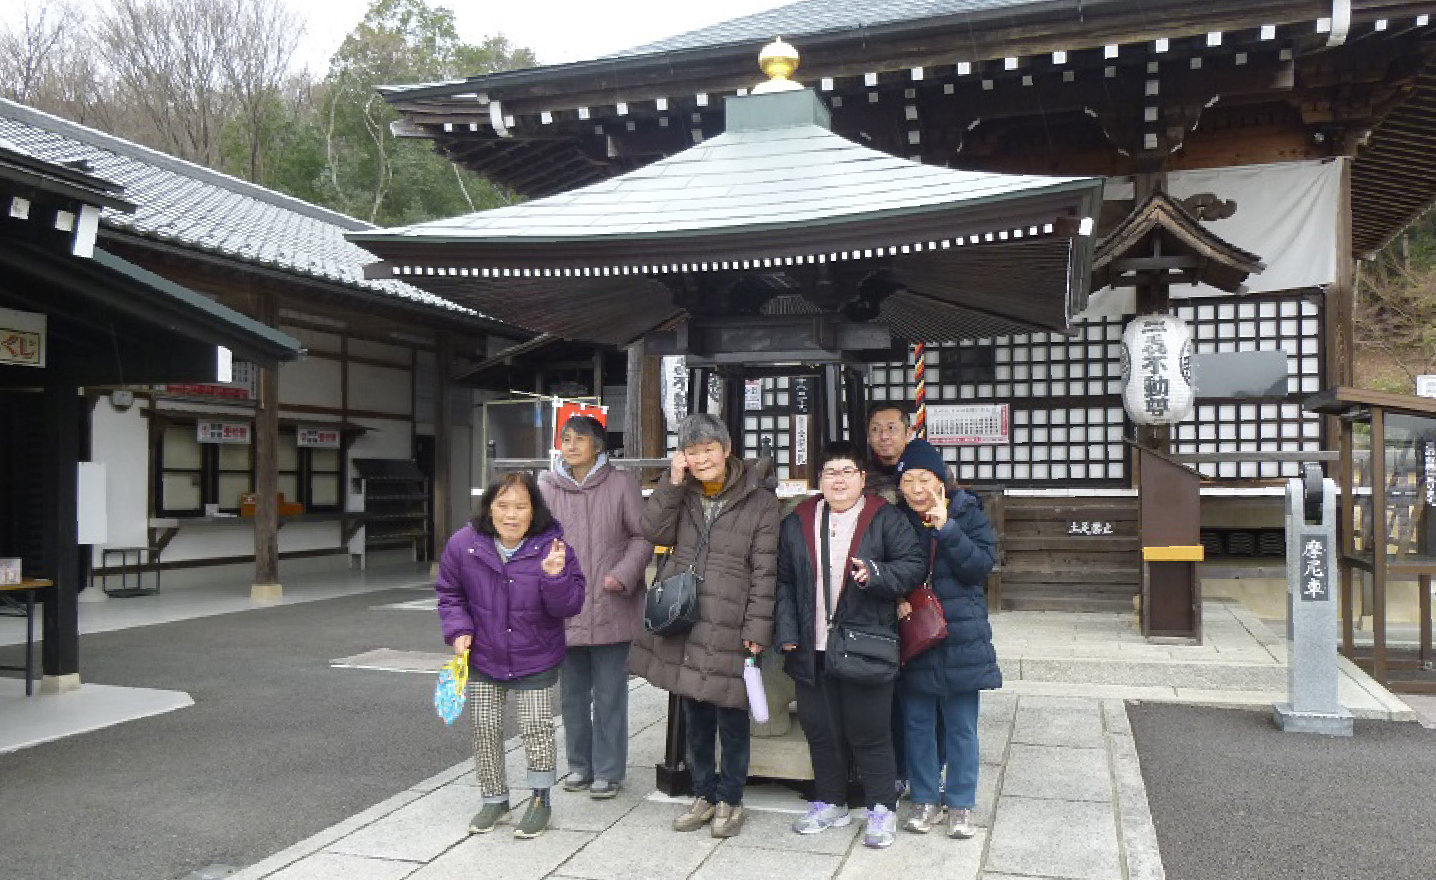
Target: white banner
1286	214
673	376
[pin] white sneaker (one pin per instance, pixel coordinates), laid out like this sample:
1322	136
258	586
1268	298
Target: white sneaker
959	824
822	816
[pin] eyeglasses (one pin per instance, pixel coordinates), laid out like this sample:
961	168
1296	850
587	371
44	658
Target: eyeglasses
886	430
833	474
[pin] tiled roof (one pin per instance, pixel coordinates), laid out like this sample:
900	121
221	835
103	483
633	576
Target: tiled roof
196	207
740	180
808	17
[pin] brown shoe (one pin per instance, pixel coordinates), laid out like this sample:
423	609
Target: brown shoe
728	820
698	815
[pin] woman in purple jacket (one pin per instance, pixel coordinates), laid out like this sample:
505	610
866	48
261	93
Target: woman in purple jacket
506	583
602	508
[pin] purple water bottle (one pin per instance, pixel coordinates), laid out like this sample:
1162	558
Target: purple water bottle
757	696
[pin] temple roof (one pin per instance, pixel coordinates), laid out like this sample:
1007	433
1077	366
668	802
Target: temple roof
1161	235
778	199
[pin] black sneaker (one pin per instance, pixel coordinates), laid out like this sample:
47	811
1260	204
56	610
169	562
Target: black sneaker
535	820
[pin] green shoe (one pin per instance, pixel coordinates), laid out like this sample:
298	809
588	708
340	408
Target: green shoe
535	820
485	820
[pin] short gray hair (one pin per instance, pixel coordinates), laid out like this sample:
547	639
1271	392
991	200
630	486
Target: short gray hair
703	428
587	426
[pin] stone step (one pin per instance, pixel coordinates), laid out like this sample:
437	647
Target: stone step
1021	601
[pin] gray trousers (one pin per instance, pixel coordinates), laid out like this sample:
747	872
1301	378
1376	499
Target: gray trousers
594	691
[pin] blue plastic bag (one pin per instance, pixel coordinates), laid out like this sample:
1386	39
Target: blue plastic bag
451	691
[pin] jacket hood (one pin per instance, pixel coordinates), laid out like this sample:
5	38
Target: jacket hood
562	478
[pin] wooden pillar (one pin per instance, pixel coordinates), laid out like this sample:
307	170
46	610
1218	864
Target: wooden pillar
60	654
443	439
266	586
1379	669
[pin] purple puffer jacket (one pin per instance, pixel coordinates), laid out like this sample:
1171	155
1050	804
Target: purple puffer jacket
514	611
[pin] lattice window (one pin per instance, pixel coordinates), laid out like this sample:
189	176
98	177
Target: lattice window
1290	323
1078	442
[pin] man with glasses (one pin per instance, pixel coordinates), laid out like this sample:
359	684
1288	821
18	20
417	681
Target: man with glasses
889	430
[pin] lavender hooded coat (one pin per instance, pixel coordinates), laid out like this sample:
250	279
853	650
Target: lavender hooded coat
514	611
603	521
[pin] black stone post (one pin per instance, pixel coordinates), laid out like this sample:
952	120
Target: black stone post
60	656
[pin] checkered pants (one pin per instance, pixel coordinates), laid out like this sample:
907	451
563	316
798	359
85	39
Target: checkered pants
535	724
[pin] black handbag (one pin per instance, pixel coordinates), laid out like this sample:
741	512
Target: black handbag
863	655
671	606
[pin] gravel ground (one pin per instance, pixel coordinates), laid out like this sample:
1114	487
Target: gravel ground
1233	797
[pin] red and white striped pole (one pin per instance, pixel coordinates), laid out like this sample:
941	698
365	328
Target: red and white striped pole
919	370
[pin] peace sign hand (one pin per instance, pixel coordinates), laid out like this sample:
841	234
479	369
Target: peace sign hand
937	516
557	555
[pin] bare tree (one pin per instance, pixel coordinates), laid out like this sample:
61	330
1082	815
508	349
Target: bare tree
181	67
263	38
45	59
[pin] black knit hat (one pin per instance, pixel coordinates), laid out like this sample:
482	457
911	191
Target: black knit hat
923	455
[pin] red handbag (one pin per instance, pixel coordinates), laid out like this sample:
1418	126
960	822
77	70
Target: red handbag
925	625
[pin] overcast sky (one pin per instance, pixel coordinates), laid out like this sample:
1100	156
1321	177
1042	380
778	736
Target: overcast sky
557	30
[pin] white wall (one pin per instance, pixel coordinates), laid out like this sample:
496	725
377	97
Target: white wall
122	441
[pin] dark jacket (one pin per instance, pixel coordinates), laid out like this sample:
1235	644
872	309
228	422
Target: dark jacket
514	611
966	552
735	597
882	536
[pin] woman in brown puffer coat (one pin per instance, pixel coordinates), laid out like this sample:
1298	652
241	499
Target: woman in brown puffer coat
601	509
706	485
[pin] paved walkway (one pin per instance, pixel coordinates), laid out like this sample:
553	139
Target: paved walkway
1060	794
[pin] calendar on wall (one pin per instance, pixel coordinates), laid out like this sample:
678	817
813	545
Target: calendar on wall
969	425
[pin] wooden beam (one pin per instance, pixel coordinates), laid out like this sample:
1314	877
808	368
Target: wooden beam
443	440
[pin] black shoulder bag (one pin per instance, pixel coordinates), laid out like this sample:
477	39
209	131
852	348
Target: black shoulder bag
671	606
863	655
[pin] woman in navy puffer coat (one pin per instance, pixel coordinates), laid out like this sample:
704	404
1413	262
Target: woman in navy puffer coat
943	683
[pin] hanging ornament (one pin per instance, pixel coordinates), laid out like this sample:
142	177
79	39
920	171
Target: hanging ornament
1157	370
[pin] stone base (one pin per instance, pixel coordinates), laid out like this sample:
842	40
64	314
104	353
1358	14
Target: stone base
266	592
60	684
781	757
1326	724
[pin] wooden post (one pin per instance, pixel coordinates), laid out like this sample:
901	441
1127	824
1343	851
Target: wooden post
266	586
1378	549
443	439
60	654
633	406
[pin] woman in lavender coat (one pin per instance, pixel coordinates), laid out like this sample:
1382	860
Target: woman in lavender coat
601	508
507	581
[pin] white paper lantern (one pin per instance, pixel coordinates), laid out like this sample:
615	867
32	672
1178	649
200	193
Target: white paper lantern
1157	370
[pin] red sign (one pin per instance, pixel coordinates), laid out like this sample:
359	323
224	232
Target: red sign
322	438
563	410
223	432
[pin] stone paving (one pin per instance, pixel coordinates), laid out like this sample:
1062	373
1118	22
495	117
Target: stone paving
1060	796
1060	791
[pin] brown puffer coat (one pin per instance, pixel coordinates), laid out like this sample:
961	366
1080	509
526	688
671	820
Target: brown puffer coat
735	598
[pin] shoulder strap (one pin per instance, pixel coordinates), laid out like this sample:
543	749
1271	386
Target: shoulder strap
824	568
703	535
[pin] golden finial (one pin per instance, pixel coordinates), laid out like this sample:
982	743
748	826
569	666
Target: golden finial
778	60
